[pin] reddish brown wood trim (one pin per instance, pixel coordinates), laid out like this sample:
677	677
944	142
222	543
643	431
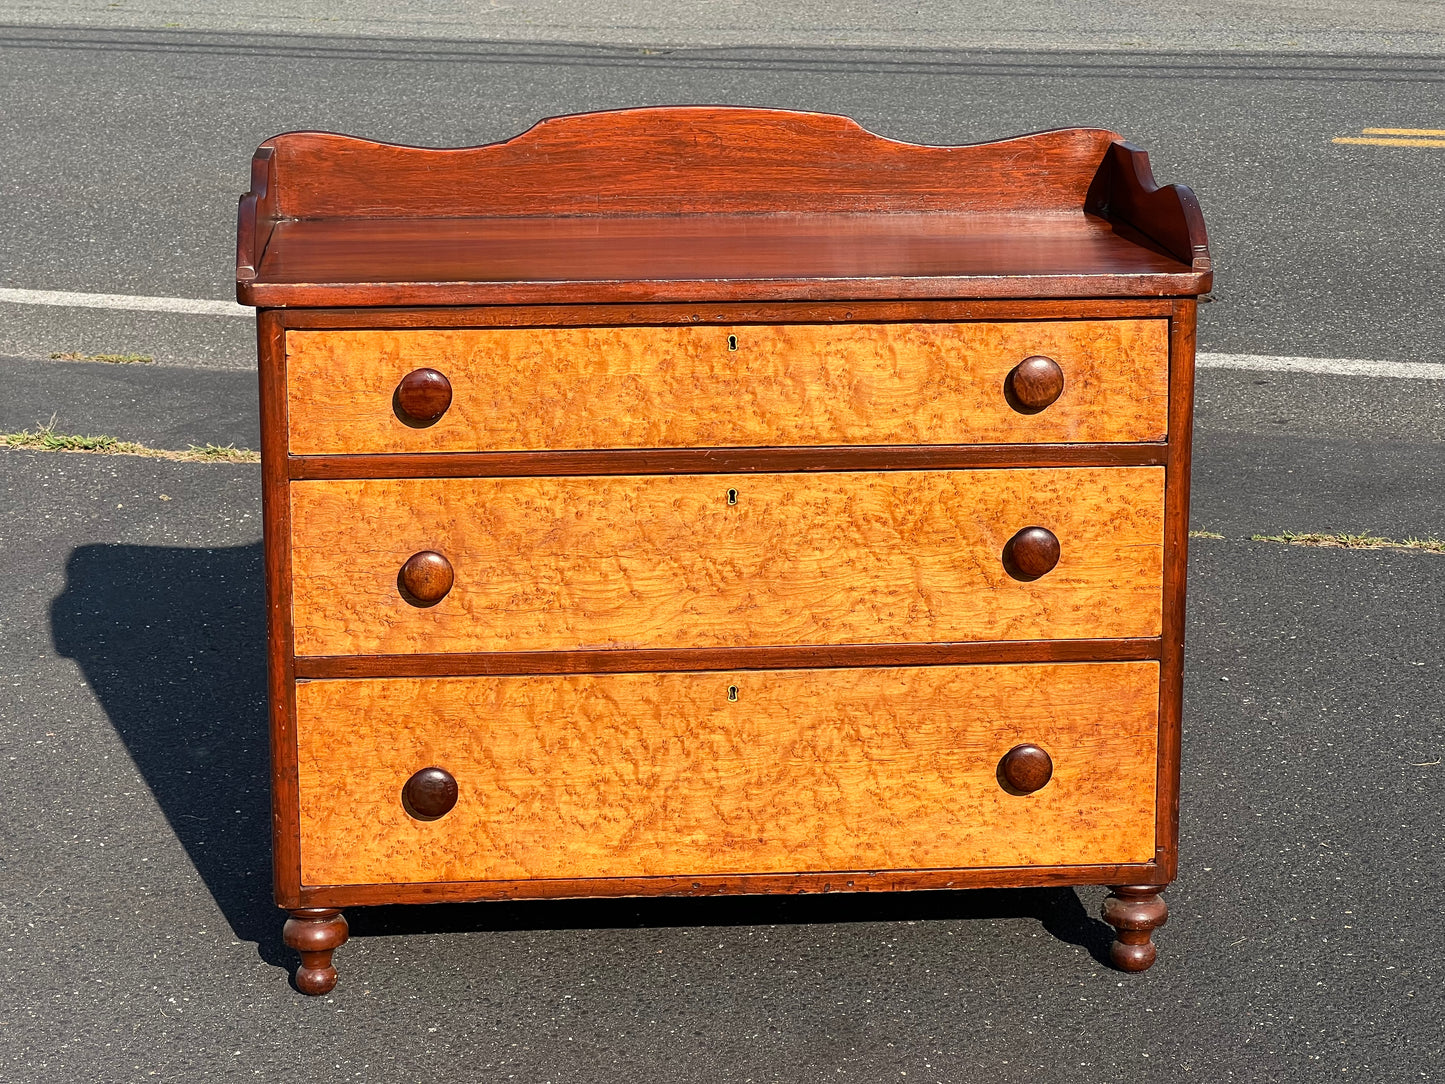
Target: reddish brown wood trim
318	295
722	460
1176	554
733	884
714	312
1135	912
315	933
732	658
281	685
677	160
1125	192
255	217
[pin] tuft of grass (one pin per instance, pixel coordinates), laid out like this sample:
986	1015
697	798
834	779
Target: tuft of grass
46	439
1346	541
1205	534
113	359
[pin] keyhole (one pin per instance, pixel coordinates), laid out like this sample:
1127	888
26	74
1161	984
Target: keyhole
732	692
732	342
732	496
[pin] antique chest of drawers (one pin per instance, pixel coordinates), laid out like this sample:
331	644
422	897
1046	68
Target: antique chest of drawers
702	500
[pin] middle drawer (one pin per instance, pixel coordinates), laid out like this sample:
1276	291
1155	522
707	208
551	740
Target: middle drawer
731	560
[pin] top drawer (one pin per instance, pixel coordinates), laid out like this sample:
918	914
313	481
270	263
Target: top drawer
775	385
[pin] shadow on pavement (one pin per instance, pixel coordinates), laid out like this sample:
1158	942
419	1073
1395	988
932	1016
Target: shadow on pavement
1058	910
172	640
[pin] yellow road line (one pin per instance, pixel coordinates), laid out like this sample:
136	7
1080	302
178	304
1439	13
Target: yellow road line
1405	131
1393	142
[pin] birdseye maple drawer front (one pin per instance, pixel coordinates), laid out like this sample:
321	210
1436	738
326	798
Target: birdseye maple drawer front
741	386
402	566
687	774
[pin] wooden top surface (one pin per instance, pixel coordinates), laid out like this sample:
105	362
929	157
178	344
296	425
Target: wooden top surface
699	257
686	204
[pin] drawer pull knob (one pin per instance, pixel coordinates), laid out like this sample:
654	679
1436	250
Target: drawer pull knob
422	397
1031	553
429	794
1025	769
1034	384
426	578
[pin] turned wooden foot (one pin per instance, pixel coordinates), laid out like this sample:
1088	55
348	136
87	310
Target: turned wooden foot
315	932
1136	911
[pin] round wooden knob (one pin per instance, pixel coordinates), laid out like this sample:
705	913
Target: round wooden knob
1034	384
1031	553
1025	769
429	794
422	396
426	578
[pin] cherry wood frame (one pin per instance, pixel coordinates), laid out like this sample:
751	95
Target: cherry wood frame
1126	248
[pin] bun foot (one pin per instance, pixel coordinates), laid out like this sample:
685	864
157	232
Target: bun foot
315	932
1135	911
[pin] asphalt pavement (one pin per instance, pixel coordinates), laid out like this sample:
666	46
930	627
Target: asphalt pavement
139	939
1346	27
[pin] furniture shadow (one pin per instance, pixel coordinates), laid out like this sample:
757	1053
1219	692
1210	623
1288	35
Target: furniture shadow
172	641
1058	910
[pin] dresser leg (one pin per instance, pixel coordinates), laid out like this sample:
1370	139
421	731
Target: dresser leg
1135	911
315	932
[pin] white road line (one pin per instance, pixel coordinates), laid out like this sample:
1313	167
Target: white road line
1398	370
188	305
1264	362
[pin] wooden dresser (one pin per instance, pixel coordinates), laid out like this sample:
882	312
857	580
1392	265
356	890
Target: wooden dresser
701	500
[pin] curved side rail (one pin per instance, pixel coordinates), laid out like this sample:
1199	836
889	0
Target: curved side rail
1125	192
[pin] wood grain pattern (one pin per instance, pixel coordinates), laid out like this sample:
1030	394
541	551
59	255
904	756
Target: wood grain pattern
692	203
575	678
1182	336
661	774
256	215
630	562
737	385
315	933
722	460
448	261
733	884
1135	912
280	662
1034	384
682	160
1125	192
718	310
500	663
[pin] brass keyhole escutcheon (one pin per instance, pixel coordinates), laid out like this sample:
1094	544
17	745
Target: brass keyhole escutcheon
732	692
732	342
732	496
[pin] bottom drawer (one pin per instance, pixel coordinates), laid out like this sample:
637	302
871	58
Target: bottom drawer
691	774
